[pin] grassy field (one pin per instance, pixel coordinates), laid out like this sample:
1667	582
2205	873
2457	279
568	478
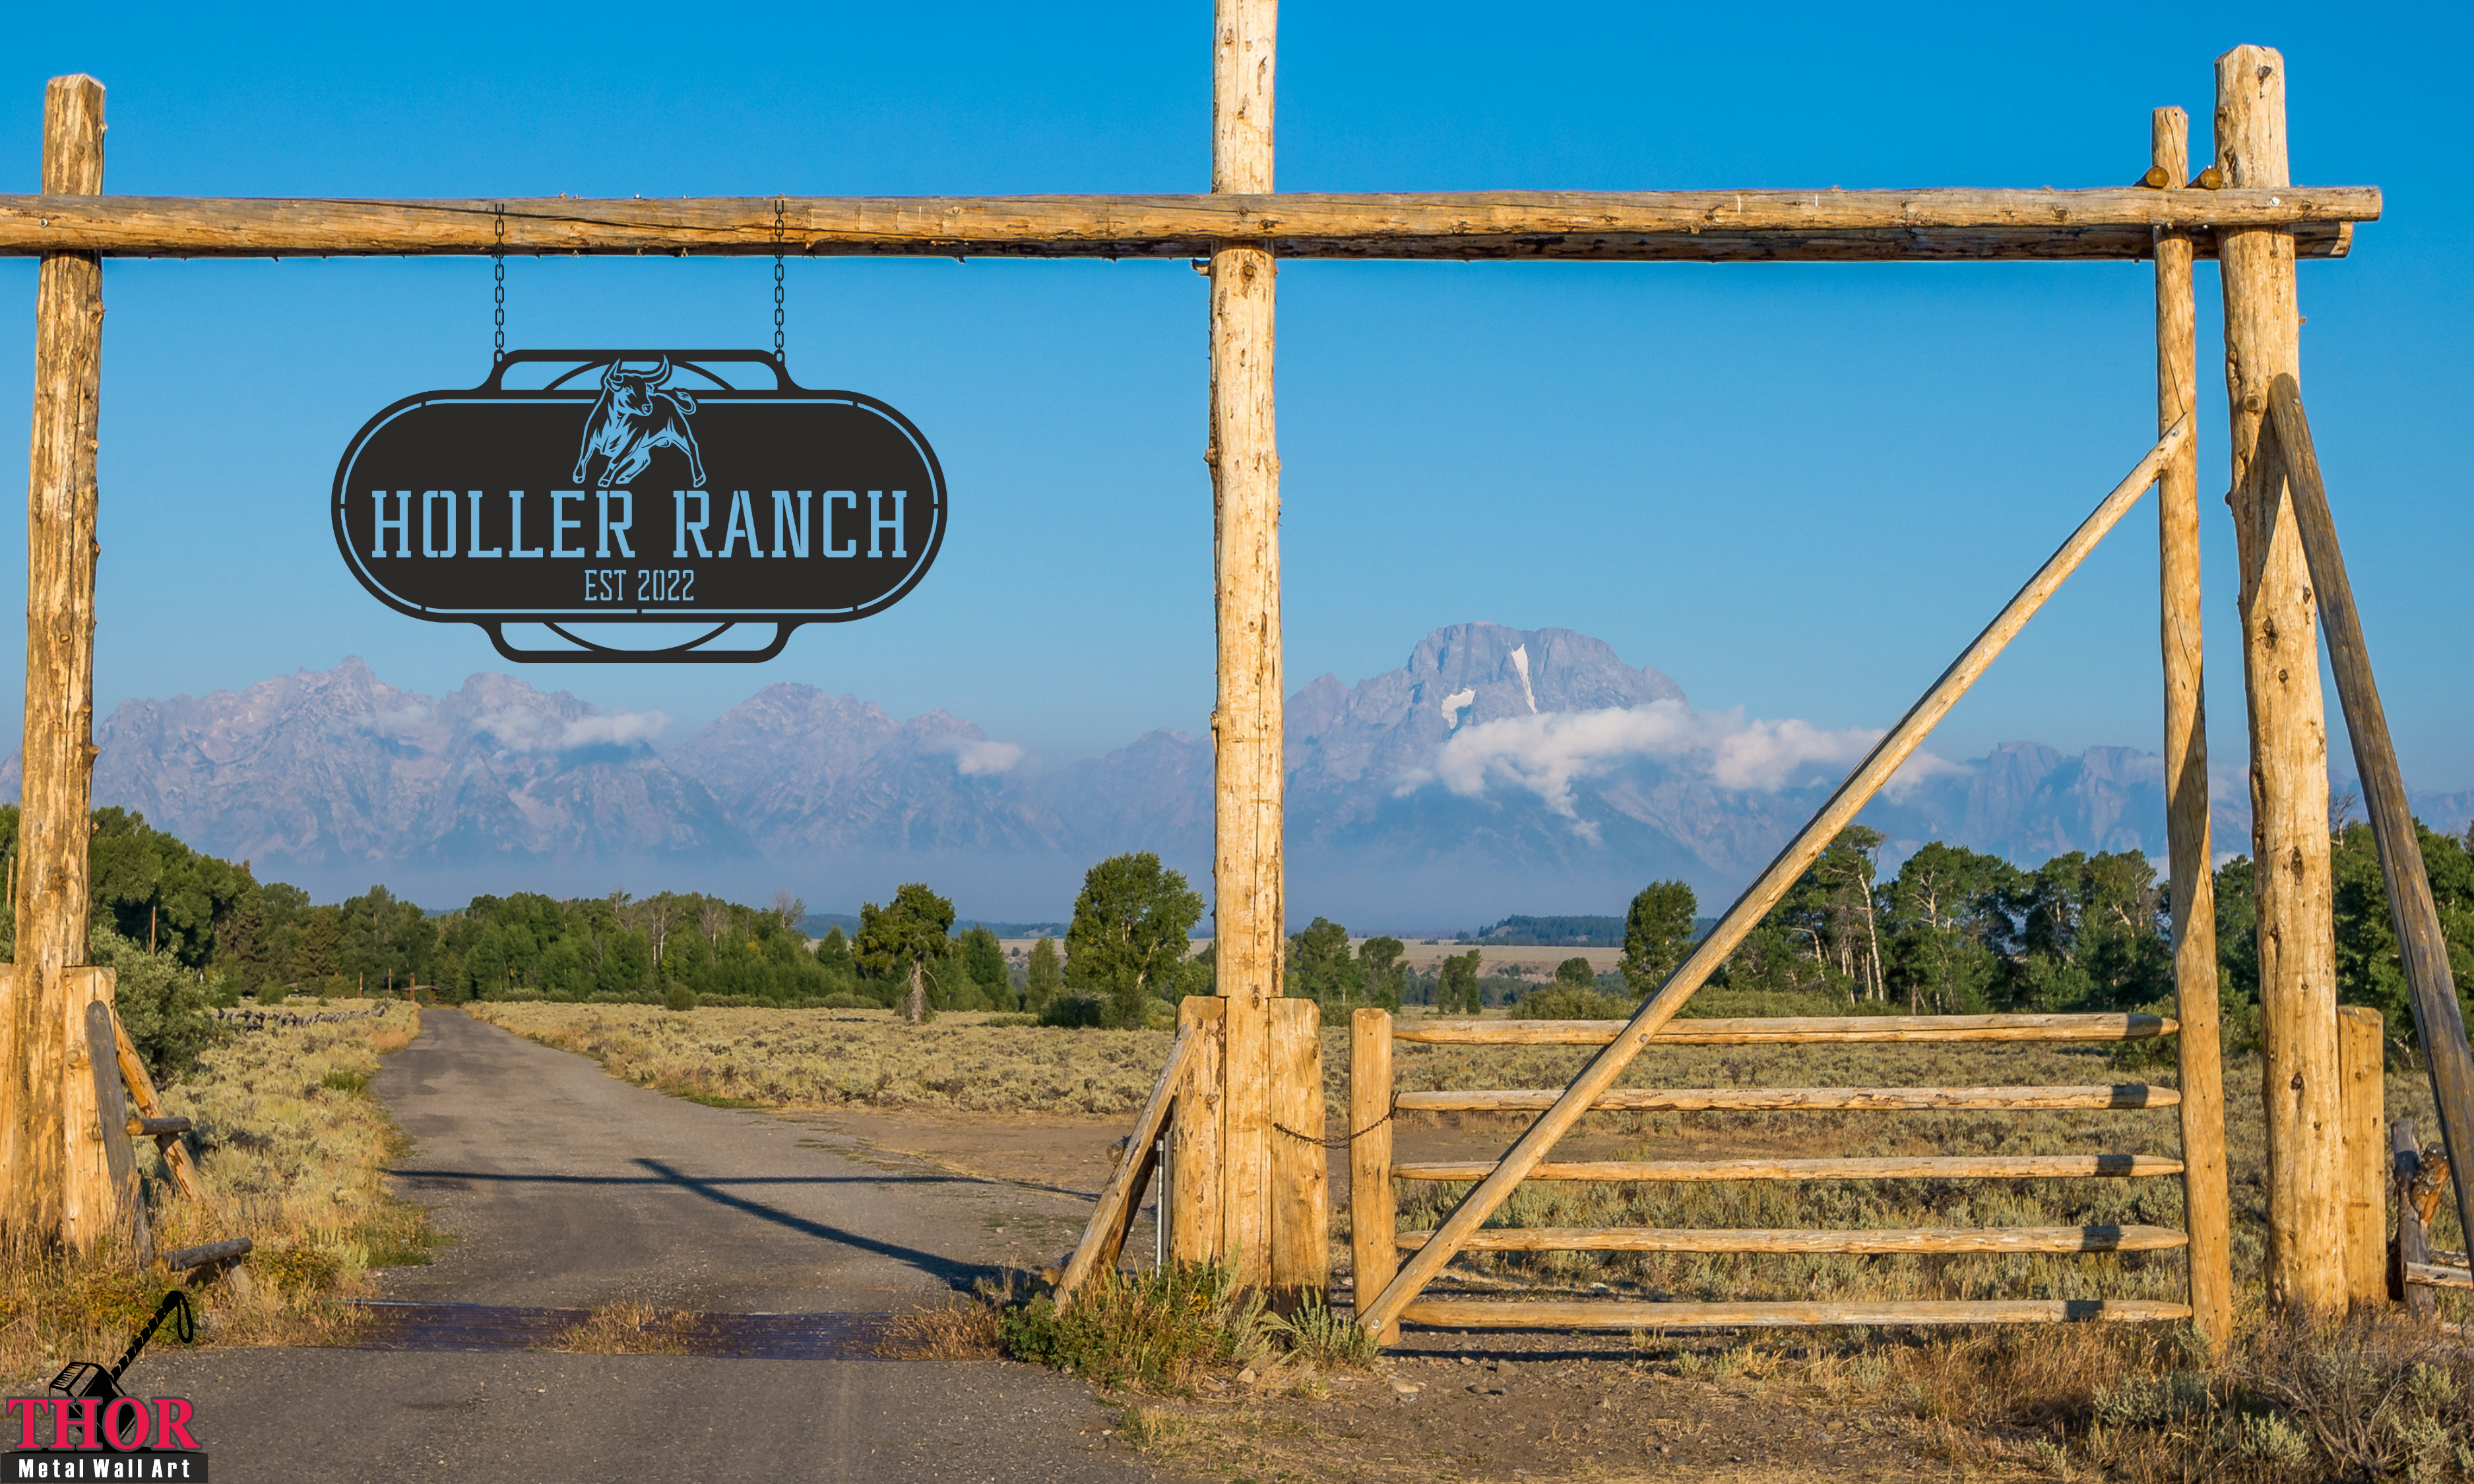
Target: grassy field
851	1057
293	1151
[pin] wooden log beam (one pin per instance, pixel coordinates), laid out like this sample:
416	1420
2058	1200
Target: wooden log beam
1793	1099
185	1259
2207	1207
2431	985
1824	226
1877	768
1105	1233
2289	723
1557	1314
1249	776
1884	1242
2016	1166
1789	1029
39	1024
2431	1274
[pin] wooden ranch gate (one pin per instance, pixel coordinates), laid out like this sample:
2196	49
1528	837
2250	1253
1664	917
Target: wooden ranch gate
1246	1068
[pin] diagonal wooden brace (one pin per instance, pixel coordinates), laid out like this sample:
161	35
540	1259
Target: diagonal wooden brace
1877	770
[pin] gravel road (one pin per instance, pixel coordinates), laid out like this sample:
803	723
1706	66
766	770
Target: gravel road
566	1189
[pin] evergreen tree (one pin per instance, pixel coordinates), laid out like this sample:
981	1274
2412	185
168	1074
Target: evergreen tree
1320	968
1657	933
1042	979
903	938
984	959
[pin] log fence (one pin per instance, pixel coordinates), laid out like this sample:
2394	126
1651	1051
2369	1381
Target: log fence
1377	1237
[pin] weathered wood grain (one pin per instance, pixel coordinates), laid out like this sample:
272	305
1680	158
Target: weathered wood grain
2431	985
1373	1207
2413	1243
1301	1175
1785	1030
1876	769
2362	1062
1807	226
1889	1240
1249	778
1937	1166
1193	1133
1785	1099
2206	1204
40	1033
2289	730
1556	1314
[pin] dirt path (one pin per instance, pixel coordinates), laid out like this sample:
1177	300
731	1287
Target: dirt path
568	1189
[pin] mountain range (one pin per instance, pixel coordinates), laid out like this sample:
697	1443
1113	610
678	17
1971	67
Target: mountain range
1497	770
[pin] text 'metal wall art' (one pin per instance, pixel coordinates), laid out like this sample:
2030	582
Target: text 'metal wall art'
640	487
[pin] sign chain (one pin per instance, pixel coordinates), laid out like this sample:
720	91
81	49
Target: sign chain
499	292
780	203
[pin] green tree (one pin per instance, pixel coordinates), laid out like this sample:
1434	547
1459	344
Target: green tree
1129	935
1657	933
985	958
2090	934
903	939
2369	970
1385	976
1456	990
1042	979
1575	973
1320	968
1946	921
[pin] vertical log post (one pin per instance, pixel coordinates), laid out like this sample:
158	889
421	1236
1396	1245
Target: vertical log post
36	1021
2207	1215
1301	1165
2361	1061
1194	1134
1249	911
2289	730
1374	1212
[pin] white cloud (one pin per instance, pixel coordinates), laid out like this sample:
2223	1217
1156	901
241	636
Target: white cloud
1546	755
534	731
975	757
617	729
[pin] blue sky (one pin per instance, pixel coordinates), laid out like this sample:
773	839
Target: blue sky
1796	488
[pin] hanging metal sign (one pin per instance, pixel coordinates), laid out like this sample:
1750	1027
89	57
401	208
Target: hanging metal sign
640	487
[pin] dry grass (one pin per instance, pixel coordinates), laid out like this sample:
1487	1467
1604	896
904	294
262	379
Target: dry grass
960	1328
293	1151
627	1328
845	1058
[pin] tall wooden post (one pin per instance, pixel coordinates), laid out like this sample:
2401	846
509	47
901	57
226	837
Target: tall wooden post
1246	725
1373	1210
35	1021
2206	1213
2361	1064
2288	729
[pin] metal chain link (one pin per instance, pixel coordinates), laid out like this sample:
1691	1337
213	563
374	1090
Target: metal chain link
780	205
499	292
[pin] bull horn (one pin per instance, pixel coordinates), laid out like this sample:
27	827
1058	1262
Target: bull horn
659	376
609	374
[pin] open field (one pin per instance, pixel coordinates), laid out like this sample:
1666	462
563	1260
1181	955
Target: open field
2033	1401
293	1151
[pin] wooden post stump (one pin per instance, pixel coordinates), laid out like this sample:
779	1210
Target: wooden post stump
2288	729
2362	1057
1194	1134
1373	1210
1301	1165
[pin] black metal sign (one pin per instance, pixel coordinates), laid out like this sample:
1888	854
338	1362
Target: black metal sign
640	487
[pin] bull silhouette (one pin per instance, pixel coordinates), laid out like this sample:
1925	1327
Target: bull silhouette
636	415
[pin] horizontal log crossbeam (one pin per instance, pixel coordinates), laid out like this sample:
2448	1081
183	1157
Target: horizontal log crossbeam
1556	1314
1786	1030
1808	226
1885	1241
2132	1095
2019	1167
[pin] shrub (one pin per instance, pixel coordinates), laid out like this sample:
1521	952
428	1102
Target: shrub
680	997
162	1004
846	1000
271	993
1570	1002
1073	1011
1151	1330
